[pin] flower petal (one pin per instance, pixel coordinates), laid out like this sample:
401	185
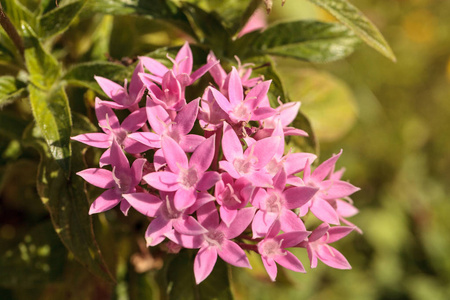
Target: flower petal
291	262
233	254
107	200
101	178
146	204
204	263
165	181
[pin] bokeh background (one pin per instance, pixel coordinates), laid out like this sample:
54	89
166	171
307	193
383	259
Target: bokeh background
391	119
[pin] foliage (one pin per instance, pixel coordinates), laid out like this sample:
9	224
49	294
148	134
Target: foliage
46	96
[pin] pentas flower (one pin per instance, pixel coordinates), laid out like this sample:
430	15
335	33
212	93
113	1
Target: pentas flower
122	97
183	176
318	248
217	241
213	173
114	131
277	204
250	163
177	129
273	250
240	109
182	67
329	190
167	217
121	180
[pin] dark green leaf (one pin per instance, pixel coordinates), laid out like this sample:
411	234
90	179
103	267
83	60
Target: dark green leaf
48	99
11	89
209	28
306	40
232	14
182	282
83	74
351	17
59	19
67	202
11	126
17	12
37	259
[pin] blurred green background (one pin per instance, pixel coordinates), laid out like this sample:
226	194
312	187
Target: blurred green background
391	120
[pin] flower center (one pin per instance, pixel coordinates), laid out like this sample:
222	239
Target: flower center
245	165
168	211
271	248
120	136
241	112
274	166
188	178
274	203
214	238
122	180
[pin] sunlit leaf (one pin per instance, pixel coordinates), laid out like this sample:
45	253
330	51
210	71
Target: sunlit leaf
305	40
351	17
11	89
59	19
66	200
83	74
48	100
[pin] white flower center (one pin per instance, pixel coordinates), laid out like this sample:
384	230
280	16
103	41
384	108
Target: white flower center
188	178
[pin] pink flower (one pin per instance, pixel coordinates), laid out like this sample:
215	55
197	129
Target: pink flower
273	250
318	248
249	164
121	180
185	177
217	241
123	98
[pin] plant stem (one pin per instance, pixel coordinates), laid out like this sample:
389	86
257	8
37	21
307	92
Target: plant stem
11	31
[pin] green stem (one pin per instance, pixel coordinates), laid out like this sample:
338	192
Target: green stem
11	31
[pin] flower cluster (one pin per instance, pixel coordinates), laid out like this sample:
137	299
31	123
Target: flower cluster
227	186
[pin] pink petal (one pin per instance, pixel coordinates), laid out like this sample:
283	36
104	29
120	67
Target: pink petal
242	220
325	168
337	233
288	112
107	200
134	147
165	181
279	180
320	231
136	170
295	162
187	241
96	139
184	60
173	154
262	222
203	155
312	257
204	263
202	70
146	204
188	226
262	113
184	198
260	179
291	222
207	216
111	104
156	231
186	117
229	168
101	178
221	100
207	181
112	89
153	66
324	211
190	142
345	209
135	120
157	116
106	117
271	268
291	262
292	239
149	139
233	254
333	258
339	189
202	199
264	150
235	90
158	160
136	85
118	158
124	207
227	215
298	196
257	94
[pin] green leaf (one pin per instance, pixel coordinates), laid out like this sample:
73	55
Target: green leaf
209	28
83	74
351	17
11	126
37	259
48	99
66	200
59	19
17	13
300	143
312	41
182	282
11	89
